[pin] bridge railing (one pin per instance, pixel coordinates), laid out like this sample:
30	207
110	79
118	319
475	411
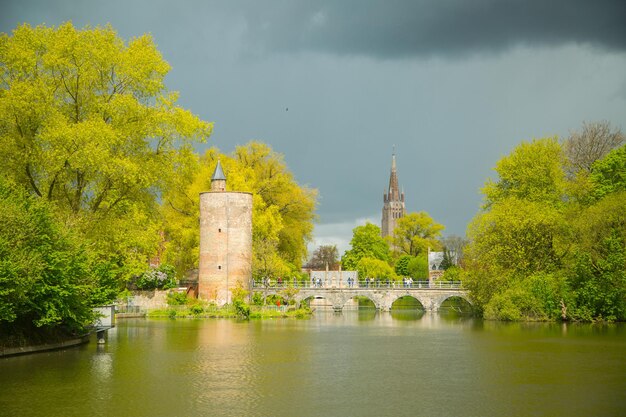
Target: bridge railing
361	284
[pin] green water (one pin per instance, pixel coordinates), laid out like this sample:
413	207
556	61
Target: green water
404	363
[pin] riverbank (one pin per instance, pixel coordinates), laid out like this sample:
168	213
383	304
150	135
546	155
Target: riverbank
23	350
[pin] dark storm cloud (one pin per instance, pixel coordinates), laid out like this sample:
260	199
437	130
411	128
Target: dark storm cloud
354	77
404	28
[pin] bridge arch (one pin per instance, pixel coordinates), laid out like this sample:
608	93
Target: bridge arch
440	300
402	296
351	296
300	298
337	299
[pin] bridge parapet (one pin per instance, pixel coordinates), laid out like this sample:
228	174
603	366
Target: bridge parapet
362	284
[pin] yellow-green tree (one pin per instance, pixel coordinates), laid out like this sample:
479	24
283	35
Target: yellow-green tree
375	268
366	242
282	216
415	233
521	236
87	124
549	245
532	172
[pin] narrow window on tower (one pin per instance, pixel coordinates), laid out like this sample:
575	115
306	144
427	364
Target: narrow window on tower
219	230
219	267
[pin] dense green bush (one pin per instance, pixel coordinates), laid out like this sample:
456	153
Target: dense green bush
537	297
257	298
196	309
177	298
46	279
242	309
418	267
452	273
402	265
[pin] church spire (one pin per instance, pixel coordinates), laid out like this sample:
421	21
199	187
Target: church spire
394	192
393	209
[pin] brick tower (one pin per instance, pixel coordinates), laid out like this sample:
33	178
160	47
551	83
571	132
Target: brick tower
225	240
393	199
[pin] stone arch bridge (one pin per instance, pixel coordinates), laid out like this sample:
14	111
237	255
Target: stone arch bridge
383	298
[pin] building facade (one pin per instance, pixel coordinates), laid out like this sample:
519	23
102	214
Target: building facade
225	241
393	199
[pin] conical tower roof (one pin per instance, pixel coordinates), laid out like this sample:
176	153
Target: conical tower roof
218	174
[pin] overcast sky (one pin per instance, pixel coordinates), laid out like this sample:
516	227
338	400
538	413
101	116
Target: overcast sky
454	84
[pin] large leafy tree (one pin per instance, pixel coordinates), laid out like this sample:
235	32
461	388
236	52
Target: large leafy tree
415	233
87	123
521	230
532	172
547	245
519	236
282	217
283	200
366	243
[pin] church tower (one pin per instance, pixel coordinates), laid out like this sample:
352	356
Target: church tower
393	199
225	240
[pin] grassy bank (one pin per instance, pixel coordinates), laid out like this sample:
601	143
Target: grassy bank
256	312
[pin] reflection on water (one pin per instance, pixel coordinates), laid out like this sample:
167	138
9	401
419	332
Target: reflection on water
406	314
366	314
360	362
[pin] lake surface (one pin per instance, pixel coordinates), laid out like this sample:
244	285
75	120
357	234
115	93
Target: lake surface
351	364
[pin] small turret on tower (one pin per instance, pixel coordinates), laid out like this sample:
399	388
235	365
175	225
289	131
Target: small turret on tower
218	180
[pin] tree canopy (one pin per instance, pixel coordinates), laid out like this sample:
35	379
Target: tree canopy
532	172
87	124
375	268
90	141
415	233
366	243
